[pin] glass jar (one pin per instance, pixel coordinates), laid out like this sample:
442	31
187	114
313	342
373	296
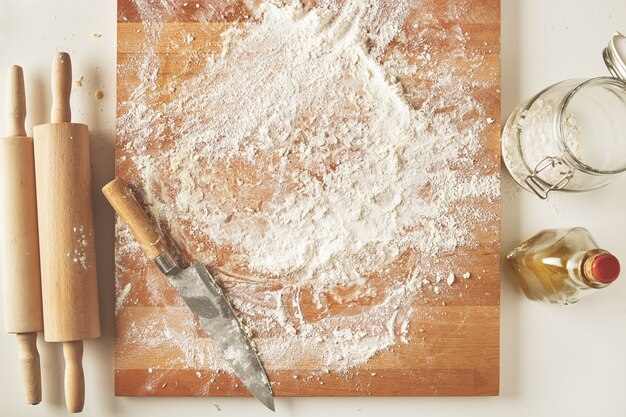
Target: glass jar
572	135
560	266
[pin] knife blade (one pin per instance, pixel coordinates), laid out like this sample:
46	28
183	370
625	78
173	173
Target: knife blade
199	291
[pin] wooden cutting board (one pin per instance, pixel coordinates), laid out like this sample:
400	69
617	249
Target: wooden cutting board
454	352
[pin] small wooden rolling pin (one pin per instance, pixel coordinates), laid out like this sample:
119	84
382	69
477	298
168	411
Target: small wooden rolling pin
66	237
19	246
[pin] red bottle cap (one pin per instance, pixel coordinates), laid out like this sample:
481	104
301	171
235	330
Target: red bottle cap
605	268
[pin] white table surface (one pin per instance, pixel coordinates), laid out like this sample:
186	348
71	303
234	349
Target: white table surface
555	361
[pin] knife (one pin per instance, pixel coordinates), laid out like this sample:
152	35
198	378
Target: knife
199	291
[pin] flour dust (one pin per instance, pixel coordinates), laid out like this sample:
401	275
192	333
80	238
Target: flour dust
300	163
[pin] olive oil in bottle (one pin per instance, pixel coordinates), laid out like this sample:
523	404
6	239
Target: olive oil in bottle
561	266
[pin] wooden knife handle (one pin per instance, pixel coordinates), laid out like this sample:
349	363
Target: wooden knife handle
129	210
15	102
28	358
61	88
74	376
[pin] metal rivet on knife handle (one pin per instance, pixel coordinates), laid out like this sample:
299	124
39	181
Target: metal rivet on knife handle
129	210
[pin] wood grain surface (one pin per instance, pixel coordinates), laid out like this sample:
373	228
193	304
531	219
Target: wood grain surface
19	241
66	238
453	349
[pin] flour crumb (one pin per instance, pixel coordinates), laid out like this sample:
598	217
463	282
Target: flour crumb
120	298
79	81
404	329
189	38
450	279
467	275
490	120
98	94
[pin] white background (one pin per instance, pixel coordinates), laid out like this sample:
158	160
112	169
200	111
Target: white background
555	361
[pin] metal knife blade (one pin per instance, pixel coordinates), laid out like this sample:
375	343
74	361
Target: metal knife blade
206	300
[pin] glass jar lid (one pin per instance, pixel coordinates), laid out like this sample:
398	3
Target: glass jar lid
615	56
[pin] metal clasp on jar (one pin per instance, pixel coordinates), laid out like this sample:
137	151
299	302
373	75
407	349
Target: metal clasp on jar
542	187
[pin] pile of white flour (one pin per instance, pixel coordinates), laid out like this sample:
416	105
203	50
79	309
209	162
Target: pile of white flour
294	166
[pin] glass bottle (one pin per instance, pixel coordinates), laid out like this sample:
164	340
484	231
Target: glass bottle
572	135
561	266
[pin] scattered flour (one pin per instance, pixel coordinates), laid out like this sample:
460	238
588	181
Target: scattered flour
121	297
80	253
450	279
321	190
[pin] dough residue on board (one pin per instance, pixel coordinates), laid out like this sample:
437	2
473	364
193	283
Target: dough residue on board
320	192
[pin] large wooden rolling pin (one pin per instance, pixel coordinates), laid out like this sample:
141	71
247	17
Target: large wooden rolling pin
19	246
66	237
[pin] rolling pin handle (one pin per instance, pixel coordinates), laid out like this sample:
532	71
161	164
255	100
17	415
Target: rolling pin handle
28	358
15	102
74	376
61	88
